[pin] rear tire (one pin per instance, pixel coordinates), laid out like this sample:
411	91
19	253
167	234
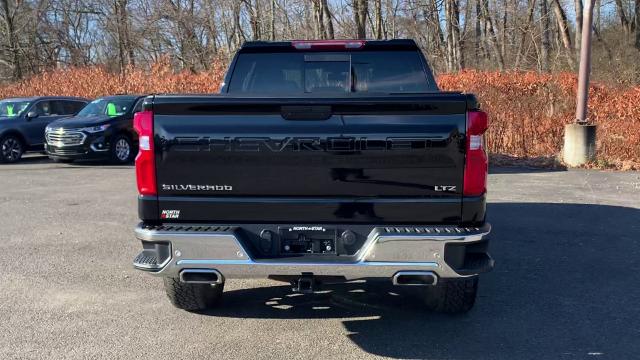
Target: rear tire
452	296
11	149
192	297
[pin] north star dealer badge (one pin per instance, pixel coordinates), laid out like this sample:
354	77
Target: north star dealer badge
170	214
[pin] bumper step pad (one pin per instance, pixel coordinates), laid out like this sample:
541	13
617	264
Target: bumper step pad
147	259
154	256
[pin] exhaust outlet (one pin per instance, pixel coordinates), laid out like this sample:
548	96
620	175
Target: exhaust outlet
415	278
201	276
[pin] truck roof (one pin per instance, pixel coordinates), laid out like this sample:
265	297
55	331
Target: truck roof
327	45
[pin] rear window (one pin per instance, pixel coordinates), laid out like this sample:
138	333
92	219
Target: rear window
367	72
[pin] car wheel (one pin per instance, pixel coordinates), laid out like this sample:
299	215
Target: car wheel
121	150
11	149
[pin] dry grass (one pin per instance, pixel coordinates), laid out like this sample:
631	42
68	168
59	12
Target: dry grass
527	110
92	82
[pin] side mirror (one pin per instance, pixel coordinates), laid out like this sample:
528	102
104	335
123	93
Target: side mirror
31	115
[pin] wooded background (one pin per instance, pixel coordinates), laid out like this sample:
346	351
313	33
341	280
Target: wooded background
540	35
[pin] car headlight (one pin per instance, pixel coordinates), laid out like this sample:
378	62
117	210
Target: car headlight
95	129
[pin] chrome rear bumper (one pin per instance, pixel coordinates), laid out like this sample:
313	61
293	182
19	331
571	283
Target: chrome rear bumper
385	252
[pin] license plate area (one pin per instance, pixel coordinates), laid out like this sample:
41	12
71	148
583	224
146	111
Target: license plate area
296	240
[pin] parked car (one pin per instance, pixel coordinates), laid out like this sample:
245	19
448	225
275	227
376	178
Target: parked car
321	161
103	130
23	120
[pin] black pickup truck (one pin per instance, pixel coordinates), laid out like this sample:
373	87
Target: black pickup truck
319	162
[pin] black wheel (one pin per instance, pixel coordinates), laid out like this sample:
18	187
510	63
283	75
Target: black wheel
121	149
452	296
192	297
62	161
11	149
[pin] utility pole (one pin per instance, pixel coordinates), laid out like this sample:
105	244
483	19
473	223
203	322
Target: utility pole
580	137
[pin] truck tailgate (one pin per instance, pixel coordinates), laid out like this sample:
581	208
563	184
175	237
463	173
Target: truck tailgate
311	160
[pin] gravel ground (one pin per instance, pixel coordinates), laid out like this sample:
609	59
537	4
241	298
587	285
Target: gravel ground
566	243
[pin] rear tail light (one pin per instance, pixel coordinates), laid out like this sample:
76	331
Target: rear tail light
145	160
328	44
477	163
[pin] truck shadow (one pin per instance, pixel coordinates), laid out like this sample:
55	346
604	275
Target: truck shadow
518	169
565	285
500	163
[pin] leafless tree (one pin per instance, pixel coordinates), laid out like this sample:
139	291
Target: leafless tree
36	35
624	22
455	55
490	35
360	11
637	24
563	27
544	30
11	46
378	19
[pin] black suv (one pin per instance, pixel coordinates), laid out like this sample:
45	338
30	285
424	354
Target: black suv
23	120
103	130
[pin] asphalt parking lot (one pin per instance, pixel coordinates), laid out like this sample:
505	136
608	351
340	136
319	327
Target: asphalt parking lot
566	244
